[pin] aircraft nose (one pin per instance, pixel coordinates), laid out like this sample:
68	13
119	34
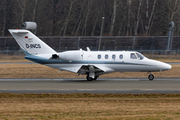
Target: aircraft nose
160	66
166	66
169	66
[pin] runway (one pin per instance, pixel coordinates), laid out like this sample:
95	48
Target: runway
102	85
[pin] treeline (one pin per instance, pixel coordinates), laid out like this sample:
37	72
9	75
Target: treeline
84	17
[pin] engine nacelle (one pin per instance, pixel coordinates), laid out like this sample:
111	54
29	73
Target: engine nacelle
70	55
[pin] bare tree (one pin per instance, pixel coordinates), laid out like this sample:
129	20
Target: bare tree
64	27
113	18
173	7
129	12
137	21
22	6
149	23
79	18
92	33
34	10
4	16
77	30
55	15
86	18
82	17
122	18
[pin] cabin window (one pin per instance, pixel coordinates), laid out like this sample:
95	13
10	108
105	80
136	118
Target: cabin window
106	56
99	56
133	56
139	56
113	56
120	56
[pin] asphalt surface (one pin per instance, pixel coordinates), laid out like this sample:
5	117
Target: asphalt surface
102	85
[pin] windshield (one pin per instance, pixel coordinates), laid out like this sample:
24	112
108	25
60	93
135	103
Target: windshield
140	56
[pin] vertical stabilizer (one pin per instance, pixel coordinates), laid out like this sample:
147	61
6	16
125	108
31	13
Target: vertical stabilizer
29	43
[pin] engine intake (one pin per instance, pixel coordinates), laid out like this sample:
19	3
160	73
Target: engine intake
55	56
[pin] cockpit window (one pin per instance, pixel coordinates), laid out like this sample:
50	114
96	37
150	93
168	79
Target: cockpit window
140	56
133	56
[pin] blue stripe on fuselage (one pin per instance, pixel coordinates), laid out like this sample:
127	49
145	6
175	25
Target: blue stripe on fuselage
42	60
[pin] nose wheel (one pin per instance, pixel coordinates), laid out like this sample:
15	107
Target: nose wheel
151	77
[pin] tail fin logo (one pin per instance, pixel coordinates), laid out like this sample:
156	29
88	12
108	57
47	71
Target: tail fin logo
31	46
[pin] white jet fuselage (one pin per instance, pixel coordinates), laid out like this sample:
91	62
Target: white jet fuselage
107	61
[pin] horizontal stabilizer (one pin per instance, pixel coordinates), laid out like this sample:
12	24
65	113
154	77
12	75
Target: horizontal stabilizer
19	32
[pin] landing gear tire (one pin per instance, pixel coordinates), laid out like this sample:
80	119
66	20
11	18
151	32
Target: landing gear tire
151	77
89	78
95	78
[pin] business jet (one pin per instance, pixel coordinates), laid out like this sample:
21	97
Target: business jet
89	63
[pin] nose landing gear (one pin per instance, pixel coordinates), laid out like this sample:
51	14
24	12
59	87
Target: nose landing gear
151	77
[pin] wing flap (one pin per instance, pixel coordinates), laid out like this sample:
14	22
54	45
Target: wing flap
84	69
103	68
71	69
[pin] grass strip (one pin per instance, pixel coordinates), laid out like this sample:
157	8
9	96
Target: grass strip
86	106
87	95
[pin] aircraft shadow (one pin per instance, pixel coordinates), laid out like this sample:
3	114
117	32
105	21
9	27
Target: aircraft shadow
83	81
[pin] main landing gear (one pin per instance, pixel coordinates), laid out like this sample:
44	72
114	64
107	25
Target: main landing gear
90	78
151	77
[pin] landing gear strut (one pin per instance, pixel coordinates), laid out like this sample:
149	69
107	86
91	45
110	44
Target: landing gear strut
151	77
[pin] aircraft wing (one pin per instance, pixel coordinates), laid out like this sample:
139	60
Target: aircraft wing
103	68
85	69
71	69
